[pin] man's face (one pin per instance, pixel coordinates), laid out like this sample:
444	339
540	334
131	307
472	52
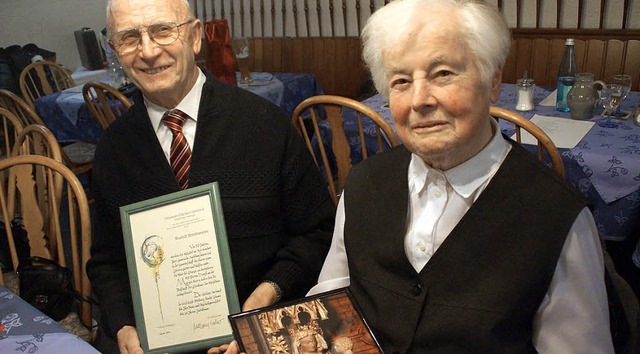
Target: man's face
438	103
164	74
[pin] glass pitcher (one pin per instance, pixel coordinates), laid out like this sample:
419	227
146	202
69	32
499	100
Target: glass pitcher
583	96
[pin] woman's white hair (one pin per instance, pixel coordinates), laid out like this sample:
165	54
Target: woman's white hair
482	26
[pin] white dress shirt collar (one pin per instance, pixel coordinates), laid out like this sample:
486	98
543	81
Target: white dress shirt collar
467	177
189	104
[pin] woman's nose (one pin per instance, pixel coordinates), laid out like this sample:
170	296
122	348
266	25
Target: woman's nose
422	94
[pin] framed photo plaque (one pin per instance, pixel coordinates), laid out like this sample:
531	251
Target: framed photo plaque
324	323
180	270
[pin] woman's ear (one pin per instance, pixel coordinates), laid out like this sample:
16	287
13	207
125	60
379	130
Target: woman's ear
496	85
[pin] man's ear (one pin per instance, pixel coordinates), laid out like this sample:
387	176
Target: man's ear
197	36
496	85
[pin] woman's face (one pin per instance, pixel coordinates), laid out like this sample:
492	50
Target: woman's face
308	344
438	101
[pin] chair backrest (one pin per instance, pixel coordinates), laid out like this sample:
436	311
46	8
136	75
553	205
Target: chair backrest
71	224
43	78
307	120
36	139
544	142
11	127
105	102
73	155
19	107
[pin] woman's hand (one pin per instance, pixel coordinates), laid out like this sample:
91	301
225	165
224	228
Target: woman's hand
231	348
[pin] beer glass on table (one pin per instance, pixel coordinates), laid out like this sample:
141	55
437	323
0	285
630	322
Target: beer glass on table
241	49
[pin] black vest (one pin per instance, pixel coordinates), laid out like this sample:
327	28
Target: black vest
481	289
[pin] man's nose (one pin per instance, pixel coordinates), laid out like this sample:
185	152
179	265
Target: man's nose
147	46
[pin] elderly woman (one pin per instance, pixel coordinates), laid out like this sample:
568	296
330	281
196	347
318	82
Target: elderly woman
459	240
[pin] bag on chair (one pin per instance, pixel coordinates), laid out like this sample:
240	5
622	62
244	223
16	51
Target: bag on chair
221	59
47	286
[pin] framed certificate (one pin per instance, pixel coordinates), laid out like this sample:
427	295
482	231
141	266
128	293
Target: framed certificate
324	323
180	270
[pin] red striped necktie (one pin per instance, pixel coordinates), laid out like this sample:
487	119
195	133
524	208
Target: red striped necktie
180	155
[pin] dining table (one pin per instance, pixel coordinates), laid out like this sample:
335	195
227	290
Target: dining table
604	165
24	329
68	117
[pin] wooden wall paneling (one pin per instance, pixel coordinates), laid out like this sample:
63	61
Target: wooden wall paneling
613	60
296	55
524	49
539	61
256	53
276	50
329	66
593	57
509	70
557	46
632	63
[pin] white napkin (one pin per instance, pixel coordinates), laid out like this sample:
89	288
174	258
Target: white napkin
565	133
550	100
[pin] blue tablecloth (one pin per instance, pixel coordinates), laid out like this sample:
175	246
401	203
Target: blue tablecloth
68	117
604	166
23	329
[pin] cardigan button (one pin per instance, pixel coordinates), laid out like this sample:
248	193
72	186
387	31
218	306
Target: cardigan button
416	289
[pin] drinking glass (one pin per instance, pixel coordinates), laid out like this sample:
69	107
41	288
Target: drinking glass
241	49
625	82
610	97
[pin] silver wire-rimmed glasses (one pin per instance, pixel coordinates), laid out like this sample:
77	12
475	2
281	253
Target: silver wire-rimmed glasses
163	33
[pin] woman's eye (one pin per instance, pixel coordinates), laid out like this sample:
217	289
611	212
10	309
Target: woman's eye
399	82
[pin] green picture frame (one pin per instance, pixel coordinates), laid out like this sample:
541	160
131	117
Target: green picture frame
180	270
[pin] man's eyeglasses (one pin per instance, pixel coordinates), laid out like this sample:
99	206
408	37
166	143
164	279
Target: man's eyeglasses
129	40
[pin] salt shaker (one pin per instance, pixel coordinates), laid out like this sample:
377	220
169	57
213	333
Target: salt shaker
525	87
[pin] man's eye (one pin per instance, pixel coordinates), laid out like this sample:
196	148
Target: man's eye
162	31
129	37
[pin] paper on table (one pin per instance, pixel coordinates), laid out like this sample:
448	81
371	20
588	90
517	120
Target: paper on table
549	100
565	133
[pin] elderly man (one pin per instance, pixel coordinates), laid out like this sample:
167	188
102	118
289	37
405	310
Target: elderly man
459	241
277	211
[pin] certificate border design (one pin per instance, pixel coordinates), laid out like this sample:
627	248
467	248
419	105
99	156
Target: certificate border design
212	191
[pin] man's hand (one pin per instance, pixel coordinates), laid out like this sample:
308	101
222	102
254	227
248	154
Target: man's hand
128	341
264	295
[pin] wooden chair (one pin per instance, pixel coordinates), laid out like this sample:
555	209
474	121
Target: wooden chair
105	102
36	139
77	156
335	107
43	78
544	142
11	127
16	105
21	199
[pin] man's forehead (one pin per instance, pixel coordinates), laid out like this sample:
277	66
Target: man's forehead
135	13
